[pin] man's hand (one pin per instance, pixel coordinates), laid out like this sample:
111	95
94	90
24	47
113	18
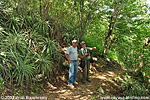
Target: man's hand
86	54
94	48
69	61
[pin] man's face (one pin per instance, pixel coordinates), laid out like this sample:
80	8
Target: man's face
83	45
75	44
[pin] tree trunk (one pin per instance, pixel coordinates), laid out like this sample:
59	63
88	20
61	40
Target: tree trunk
112	25
40	8
81	21
83	25
142	61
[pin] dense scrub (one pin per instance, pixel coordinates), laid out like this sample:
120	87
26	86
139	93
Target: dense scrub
31	32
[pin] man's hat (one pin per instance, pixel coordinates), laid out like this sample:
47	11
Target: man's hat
73	41
82	43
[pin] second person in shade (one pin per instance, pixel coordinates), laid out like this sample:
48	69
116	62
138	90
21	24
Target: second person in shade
84	54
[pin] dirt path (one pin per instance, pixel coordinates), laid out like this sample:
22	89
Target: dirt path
102	84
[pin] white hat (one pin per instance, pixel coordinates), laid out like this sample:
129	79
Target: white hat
82	43
74	41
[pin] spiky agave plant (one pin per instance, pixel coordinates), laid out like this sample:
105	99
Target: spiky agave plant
16	60
46	55
25	51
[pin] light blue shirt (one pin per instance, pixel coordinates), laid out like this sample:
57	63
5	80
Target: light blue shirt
72	53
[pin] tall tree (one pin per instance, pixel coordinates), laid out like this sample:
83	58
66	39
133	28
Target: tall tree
144	46
92	6
113	20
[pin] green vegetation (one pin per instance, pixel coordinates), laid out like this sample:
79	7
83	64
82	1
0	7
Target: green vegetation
32	30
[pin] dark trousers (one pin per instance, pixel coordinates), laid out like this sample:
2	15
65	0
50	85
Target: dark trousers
86	71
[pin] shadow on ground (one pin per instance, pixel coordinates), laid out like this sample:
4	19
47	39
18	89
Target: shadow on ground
103	83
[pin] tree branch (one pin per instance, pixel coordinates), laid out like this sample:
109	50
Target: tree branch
117	15
87	18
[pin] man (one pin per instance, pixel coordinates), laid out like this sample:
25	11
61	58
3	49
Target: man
84	54
71	55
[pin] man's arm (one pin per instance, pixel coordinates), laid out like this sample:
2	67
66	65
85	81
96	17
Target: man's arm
93	48
83	55
66	55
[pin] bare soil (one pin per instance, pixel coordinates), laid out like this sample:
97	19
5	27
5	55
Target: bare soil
103	84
